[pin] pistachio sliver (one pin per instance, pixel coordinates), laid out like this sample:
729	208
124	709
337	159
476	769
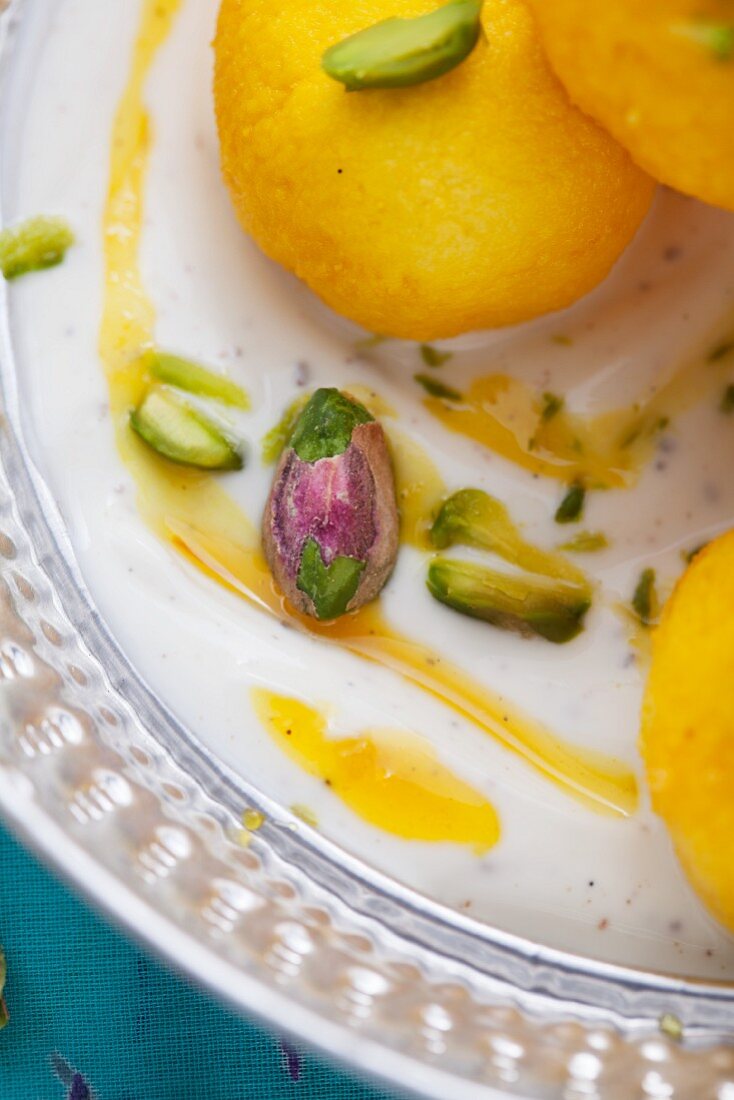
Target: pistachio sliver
526	605
436	388
34	245
434	357
182	434
397	53
193	377
586	542
571	508
645	598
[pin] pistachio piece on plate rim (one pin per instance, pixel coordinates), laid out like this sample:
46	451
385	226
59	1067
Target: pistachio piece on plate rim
397	53
330	527
34	245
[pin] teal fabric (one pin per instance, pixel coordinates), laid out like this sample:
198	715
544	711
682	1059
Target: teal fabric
94	1018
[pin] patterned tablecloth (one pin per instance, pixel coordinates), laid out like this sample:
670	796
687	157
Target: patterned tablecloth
94	1018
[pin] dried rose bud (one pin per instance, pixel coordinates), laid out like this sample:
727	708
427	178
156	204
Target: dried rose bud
330	529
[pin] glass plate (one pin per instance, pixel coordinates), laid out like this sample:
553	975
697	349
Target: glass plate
98	776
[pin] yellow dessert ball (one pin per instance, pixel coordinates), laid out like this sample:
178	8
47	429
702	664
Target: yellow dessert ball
479	199
659	75
688	724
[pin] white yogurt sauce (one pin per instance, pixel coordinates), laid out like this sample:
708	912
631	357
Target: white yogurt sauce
561	875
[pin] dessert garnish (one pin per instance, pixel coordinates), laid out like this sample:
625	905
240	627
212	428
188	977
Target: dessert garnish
396	53
330	529
34	245
183	434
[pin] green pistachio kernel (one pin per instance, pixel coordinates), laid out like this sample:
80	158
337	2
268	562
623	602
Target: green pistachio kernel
396	53
645	598
435	388
187	375
329	587
324	428
552	405
571	507
717	38
586	542
182	434
34	245
432	357
553	610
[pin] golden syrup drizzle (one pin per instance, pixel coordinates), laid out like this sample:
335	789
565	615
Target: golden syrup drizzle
419	486
600	781
128	315
605	451
198	516
390	779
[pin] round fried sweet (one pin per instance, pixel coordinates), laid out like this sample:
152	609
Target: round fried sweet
688	724
659	76
479	199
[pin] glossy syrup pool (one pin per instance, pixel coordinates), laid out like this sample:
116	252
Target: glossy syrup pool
627	359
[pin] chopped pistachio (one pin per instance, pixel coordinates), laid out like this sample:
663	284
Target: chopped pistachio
182	434
561	339
554	610
571	508
34	245
330	528
397	53
435	388
727	400
277	439
193	377
717	38
586	542
552	404
645	599
432	357
671	1026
